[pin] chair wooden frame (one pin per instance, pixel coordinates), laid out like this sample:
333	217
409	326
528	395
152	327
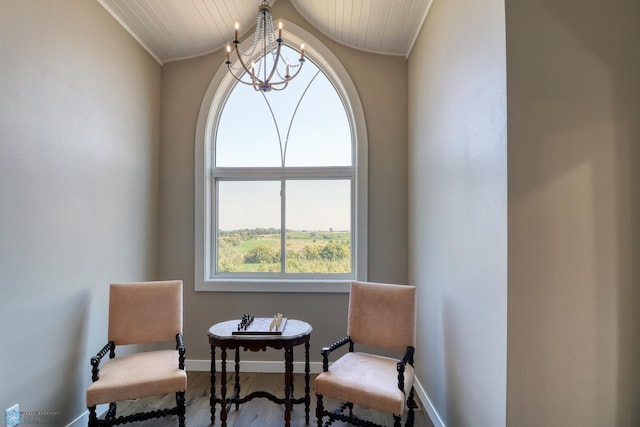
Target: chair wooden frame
344	412
110	418
140	313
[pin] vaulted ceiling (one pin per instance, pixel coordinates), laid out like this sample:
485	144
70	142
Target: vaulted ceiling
176	29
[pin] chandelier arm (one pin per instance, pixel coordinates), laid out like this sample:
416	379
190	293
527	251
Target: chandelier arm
275	64
253	78
301	60
286	142
240	79
285	83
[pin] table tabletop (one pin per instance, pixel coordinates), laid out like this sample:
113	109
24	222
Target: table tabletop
292	329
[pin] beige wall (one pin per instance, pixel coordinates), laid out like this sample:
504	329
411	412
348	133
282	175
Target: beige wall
574	204
79	137
81	168
458	210
381	82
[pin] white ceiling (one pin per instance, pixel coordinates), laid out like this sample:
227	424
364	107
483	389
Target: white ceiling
176	29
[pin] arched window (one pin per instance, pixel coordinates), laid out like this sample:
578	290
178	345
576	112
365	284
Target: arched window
281	182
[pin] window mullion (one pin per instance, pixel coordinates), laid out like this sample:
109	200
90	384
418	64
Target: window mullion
277	173
283	227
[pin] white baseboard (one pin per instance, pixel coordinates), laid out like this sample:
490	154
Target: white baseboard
298	367
253	366
428	405
82	420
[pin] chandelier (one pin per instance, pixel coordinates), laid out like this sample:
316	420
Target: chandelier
267	69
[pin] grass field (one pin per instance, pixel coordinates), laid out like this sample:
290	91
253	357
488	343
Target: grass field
306	252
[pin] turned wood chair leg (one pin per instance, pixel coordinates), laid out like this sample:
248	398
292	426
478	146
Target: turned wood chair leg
319	410
412	405
111	413
180	403
93	417
349	406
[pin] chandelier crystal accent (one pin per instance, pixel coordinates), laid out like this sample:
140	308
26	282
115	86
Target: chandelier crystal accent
262	64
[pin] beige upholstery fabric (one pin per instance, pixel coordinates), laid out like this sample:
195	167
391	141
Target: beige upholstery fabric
137	375
367	380
382	315
139	313
145	312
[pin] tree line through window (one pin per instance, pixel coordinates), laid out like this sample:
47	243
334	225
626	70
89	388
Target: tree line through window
258	250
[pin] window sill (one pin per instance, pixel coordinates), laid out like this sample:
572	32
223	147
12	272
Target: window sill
263	285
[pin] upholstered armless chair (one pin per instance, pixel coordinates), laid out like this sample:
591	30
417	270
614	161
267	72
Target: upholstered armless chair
140	313
381	316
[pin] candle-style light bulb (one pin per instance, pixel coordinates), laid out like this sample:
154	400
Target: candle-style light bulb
237	28
280	30
302	50
228	53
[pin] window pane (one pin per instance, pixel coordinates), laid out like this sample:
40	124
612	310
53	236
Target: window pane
318	218
320	132
248	226
303	125
246	135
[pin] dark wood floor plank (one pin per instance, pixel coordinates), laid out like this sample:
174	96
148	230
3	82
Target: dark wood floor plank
256	413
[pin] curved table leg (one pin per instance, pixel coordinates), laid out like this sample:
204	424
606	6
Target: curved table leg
212	399
288	384
236	390
223	388
307	398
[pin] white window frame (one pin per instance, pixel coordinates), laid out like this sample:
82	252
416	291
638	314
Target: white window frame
210	111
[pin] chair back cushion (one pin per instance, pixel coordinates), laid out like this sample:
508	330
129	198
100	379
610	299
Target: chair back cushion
144	312
382	315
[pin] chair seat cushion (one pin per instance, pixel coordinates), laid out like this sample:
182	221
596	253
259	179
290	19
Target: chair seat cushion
137	375
367	380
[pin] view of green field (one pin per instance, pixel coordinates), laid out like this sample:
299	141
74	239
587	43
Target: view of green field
259	250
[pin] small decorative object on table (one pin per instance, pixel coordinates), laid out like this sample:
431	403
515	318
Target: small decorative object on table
276	322
245	322
250	325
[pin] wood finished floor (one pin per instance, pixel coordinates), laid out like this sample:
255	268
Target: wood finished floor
259	412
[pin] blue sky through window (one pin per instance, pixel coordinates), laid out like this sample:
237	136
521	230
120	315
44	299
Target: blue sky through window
312	125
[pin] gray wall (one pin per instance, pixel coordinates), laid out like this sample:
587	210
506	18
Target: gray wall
79	138
82	162
458	209
572	208
574	205
381	83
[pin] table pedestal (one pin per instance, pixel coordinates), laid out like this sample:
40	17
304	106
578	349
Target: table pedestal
220	336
